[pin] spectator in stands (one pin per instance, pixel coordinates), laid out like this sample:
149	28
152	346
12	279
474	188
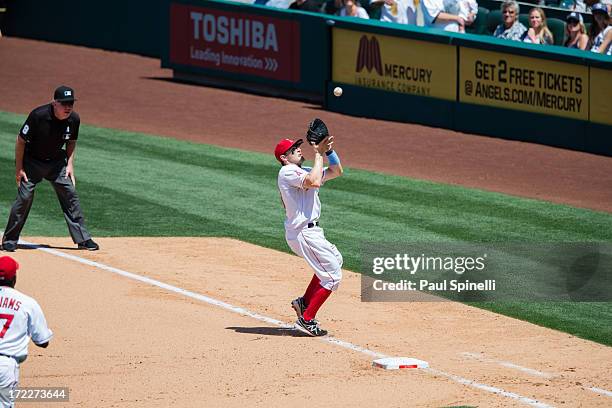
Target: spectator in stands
511	28
352	8
397	11
315	6
601	30
575	32
468	9
538	32
281	4
443	14
576	5
333	6
607	3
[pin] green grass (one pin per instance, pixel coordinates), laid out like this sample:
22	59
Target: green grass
138	185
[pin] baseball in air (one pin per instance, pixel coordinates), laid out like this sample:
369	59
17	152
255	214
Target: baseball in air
338	91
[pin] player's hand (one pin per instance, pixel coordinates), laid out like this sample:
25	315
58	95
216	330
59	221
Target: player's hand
70	174
20	175
324	146
329	142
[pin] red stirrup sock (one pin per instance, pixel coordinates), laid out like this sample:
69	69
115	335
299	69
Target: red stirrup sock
314	284
319	297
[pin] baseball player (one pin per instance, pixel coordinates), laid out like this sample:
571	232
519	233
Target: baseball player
22	319
39	155
299	188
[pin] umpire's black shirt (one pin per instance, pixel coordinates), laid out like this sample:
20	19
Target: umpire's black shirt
45	135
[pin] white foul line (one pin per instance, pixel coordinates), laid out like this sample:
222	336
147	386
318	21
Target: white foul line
600	391
494	390
481	357
257	316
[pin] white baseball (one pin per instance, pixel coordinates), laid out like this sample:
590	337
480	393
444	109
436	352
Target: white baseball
338	91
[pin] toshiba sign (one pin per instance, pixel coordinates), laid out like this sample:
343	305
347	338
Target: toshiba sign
235	42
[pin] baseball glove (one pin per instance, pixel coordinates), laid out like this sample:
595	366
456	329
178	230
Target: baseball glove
317	131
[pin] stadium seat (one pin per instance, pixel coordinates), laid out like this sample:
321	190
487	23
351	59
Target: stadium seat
494	18
373	11
557	28
524	20
479	26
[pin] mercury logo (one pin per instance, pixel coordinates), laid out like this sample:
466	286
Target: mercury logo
368	55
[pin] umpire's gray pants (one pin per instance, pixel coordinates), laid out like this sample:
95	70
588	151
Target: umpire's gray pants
55	172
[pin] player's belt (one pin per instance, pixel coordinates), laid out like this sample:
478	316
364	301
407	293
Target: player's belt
313	224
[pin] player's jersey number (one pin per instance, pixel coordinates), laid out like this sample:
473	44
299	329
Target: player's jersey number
7	323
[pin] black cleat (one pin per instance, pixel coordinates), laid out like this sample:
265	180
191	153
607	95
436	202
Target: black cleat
310	327
89	245
299	306
9	247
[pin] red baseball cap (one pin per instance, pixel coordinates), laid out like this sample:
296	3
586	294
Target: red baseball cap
8	267
284	146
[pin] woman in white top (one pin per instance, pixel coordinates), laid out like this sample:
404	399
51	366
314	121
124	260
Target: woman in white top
352	8
601	30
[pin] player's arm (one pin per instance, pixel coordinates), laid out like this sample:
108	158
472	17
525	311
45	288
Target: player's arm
37	327
314	179
335	168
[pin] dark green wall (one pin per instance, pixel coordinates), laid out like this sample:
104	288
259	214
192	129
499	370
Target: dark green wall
133	26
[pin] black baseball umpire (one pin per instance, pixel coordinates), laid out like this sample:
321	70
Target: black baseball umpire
40	154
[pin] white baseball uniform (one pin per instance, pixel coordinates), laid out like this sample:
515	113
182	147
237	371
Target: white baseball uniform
304	237
20	318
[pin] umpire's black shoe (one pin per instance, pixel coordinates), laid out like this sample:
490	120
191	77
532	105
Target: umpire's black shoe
310	327
299	306
89	245
9	247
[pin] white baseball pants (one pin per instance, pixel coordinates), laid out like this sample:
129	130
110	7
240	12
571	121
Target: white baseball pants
321	255
9	377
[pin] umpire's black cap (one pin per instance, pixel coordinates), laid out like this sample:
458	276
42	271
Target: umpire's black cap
64	94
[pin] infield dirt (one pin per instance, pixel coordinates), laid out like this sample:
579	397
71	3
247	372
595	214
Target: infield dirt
119	342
